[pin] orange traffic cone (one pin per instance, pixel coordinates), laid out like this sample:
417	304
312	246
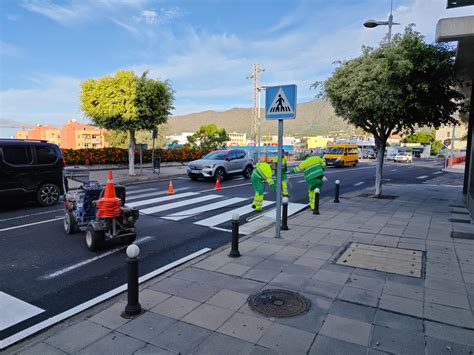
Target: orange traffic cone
170	188
110	187
109	205
218	184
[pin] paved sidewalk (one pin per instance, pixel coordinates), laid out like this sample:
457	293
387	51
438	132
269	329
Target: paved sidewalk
201	307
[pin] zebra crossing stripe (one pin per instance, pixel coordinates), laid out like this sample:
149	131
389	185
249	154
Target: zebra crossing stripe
151	194
15	310
140	191
186	202
292	209
160	199
194	211
227	216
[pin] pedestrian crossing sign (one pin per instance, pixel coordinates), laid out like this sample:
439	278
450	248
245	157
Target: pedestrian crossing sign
280	102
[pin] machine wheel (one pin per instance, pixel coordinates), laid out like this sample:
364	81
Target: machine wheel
48	195
248	172
130	239
220	174
94	239
70	225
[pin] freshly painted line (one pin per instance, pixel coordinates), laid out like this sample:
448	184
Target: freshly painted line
227	187
437	172
301	181
88	261
422	177
194	211
359	183
394	170
292	209
171	206
221	229
75	310
227	216
140	190
160	199
155	194
30	224
15	310
30	215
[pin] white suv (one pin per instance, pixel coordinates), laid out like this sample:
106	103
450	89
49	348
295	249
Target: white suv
403	158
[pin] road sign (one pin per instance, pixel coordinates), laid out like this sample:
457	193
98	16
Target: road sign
280	102
447	142
443	147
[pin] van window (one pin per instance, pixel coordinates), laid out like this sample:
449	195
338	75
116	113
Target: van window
334	150
352	151
45	155
17	155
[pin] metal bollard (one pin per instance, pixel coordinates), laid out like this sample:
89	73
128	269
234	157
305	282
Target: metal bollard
133	307
234	252
316	202
336	197
284	217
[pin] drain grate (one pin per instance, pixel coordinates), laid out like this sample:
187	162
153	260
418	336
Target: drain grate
279	303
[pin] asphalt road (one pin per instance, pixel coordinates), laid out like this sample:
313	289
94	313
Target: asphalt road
46	268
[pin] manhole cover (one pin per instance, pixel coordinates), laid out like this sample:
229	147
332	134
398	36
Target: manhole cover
279	303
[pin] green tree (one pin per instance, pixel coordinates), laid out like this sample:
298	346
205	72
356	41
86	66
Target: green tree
424	138
395	88
125	102
208	137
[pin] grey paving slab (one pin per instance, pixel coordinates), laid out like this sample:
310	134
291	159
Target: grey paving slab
325	289
366	283
208	316
77	336
450	315
234	269
331	277
41	349
350	330
181	338
311	262
175	307
353	311
402	290
111	316
198	292
248	260
449	333
171	285
228	299
300	270
113	343
151	349
288	281
287	339
150	298
259	274
398	321
331	346
437	346
358	295
401	305
446	298
147	326
397	341
222	344
245	327
244	286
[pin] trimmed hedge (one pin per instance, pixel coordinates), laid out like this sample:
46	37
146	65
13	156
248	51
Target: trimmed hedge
120	156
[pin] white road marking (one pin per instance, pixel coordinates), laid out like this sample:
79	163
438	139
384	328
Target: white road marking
437	172
160	199
221	229
422	177
15	310
140	190
300	181
359	183
394	170
136	197
227	216
88	261
292	209
30	224
171	206
75	310
30	215
195	211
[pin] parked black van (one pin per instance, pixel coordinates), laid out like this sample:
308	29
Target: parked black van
31	169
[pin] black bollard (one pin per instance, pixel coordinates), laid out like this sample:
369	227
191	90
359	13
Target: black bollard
133	307
284	217
316	202
336	197
234	252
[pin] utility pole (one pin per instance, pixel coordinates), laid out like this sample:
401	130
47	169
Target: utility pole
452	147
256	106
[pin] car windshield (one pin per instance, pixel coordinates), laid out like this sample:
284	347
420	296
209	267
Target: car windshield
334	150
215	156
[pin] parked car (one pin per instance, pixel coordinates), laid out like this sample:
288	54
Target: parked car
221	164
31	169
403	158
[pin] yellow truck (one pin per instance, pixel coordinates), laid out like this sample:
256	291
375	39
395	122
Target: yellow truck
341	155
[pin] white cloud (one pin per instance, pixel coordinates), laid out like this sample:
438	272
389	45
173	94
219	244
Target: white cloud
7	49
147	16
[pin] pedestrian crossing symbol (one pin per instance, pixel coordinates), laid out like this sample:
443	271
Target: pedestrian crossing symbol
280	102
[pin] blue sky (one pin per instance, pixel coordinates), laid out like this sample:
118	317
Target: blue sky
206	48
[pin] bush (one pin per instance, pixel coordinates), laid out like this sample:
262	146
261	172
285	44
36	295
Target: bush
120	156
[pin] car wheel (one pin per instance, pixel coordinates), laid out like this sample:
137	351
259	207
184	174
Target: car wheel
48	195
248	171
70	225
94	239
194	178
220	174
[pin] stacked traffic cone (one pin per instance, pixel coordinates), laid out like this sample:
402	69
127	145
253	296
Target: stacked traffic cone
218	184
170	188
109	205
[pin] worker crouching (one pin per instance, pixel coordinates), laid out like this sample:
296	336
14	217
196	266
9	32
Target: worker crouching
313	169
261	174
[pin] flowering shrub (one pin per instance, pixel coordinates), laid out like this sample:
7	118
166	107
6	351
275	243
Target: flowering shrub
120	156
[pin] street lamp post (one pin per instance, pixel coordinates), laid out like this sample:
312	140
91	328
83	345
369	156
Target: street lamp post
389	23
256	105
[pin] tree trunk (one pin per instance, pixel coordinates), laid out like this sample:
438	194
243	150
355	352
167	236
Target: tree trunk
380	144
131	154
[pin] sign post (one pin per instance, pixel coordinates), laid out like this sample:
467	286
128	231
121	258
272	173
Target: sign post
280	104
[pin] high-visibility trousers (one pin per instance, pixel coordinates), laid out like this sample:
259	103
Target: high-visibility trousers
259	189
313	184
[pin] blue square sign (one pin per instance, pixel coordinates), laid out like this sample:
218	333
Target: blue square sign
280	102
